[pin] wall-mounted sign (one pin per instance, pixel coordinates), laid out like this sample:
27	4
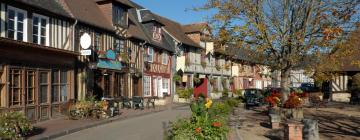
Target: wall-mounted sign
85	41
85	52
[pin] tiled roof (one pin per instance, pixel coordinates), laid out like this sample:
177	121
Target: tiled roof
135	29
175	30
88	12
194	27
163	44
52	6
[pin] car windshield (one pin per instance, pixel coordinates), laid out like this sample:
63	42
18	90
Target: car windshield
252	92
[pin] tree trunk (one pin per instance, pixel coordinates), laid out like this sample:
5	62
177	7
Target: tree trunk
285	82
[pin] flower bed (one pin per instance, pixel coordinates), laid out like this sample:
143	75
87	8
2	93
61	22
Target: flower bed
208	121
14	125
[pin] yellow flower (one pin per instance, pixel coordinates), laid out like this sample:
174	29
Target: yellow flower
208	103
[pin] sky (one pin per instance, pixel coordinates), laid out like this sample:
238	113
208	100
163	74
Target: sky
177	10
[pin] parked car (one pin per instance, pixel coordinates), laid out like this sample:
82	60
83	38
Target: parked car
308	87
253	97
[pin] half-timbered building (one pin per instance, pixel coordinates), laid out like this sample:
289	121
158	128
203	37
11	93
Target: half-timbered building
38	57
104	73
158	51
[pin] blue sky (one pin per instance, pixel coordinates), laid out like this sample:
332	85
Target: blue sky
177	9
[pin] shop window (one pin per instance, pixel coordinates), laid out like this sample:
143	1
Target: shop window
118	85
40	30
59	86
16	23
15	87
44	86
147	86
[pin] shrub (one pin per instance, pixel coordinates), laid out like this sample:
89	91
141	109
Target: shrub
177	78
232	102
205	122
14	125
185	93
225	92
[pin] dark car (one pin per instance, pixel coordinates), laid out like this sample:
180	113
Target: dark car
308	87
253	97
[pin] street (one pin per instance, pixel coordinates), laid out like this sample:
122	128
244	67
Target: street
148	127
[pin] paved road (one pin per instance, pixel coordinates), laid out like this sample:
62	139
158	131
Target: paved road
148	127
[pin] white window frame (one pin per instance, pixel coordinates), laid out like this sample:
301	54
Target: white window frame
150	55
47	28
165	85
17	10
149	86
157	33
165	58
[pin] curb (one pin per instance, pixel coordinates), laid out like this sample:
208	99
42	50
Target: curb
70	131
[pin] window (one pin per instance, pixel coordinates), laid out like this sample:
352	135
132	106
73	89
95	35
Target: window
165	86
97	41
15	87
16	23
40	30
119	45
44	86
119	16
147	86
150	54
165	58
59	86
157	33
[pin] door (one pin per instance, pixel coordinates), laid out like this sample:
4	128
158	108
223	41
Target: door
30	99
154	83
43	95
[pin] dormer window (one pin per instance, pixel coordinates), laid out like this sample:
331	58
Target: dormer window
157	33
119	16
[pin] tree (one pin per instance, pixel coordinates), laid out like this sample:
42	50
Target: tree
284	32
345	54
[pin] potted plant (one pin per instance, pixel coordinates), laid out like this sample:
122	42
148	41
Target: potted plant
124	57
101	54
177	78
292	108
147	65
197	80
203	64
217	66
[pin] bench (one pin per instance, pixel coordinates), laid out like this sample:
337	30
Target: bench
138	102
125	102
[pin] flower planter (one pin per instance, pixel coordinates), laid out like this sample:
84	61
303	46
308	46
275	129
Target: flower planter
305	101
275	120
292	113
293	131
274	110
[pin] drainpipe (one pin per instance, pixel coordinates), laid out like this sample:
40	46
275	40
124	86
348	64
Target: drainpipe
172	73
73	44
142	65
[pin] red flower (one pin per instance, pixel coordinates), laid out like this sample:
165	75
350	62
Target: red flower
198	130
216	124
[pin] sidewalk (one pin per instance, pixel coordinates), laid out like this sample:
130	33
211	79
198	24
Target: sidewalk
62	126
